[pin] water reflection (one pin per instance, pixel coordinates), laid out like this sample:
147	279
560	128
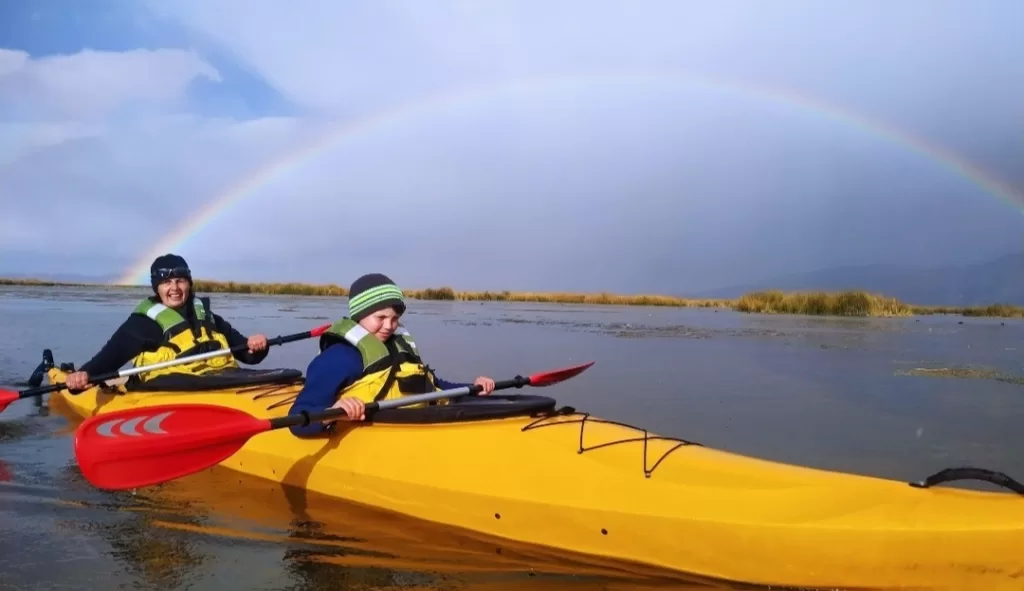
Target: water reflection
160	557
330	543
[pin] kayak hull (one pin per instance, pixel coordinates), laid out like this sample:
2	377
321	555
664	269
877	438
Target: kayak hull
575	482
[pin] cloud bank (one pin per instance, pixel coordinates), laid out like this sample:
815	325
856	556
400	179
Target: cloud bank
665	146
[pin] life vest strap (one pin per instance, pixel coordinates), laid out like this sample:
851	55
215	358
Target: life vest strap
395	362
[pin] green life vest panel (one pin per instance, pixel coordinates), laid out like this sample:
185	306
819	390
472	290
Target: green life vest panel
374	353
169	319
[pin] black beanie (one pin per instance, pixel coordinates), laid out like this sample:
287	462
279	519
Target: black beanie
371	293
167	261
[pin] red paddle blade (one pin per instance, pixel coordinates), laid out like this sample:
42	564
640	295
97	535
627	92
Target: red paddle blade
7	397
319	330
145	446
548	378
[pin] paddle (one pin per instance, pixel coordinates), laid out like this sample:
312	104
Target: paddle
8	396
144	446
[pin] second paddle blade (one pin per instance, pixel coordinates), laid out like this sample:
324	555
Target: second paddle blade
144	446
549	378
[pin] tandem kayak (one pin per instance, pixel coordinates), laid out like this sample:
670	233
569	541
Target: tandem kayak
517	467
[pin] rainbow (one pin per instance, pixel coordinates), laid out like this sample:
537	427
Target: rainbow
138	272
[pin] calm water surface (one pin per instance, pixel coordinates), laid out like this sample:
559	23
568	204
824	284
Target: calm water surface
828	393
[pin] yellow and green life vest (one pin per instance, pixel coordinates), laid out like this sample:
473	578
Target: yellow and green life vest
180	340
388	372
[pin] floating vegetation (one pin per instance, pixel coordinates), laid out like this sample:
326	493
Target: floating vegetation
984	373
994	310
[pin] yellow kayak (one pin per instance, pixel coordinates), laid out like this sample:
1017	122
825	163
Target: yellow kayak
515	467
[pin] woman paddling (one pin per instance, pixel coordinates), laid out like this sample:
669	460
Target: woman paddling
172	324
367	357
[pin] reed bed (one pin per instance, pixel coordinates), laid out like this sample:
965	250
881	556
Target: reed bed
447	293
844	303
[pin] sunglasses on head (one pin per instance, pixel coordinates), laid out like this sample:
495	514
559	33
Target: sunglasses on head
176	272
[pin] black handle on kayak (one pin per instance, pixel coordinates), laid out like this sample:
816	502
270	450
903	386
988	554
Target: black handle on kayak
968	473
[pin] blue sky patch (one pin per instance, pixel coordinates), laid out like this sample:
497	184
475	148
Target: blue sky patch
54	27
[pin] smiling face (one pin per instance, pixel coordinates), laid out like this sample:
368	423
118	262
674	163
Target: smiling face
382	323
173	292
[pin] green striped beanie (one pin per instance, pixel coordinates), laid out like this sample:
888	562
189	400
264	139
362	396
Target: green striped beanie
371	293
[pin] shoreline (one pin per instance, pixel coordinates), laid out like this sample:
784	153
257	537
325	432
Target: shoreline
855	303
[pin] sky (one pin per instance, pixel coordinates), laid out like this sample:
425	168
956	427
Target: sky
652	146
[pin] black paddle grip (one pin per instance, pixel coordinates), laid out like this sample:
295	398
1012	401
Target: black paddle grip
516	382
283	339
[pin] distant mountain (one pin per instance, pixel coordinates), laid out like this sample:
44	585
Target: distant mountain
997	281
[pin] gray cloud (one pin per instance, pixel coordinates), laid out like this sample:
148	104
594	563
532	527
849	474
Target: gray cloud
588	174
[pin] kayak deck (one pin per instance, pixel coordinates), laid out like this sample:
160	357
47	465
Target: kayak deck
572	481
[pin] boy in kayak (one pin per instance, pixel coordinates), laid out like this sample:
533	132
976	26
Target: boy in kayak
174	323
367	357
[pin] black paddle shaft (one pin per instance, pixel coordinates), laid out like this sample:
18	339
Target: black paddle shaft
280	340
305	418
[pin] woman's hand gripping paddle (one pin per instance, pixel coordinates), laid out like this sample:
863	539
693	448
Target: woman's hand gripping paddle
145	446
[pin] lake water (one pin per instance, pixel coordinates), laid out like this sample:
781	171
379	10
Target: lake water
823	392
